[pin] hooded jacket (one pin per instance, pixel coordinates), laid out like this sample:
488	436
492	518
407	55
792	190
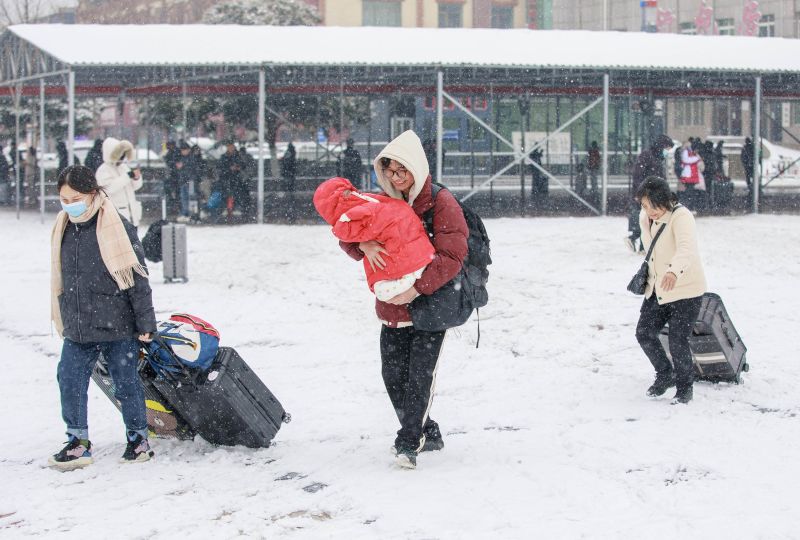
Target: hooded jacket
113	177
676	251
359	218
450	230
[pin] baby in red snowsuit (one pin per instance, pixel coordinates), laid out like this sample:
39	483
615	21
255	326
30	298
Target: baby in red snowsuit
357	217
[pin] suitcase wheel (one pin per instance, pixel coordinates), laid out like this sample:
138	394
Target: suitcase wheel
746	367
286	418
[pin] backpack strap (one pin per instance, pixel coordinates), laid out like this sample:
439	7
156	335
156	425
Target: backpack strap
427	216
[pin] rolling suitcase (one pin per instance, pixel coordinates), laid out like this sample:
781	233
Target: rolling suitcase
162	420
718	352
173	252
227	404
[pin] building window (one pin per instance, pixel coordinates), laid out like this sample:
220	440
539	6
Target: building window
795	113
687	28
726	27
766	26
451	15
382	13
502	16
689	113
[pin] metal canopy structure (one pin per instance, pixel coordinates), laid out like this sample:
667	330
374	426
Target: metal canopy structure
141	60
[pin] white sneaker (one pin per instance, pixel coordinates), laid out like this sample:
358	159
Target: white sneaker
182	219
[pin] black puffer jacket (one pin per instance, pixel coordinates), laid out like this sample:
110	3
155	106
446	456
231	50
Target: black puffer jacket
92	306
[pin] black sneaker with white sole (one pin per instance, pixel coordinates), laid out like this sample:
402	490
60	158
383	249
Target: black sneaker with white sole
76	454
138	450
406	459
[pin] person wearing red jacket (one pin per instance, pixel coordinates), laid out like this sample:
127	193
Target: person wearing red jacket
356	217
409	356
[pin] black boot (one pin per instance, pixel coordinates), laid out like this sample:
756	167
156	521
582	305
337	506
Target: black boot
683	395
663	382
433	440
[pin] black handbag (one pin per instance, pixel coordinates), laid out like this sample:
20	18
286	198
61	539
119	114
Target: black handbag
449	306
638	283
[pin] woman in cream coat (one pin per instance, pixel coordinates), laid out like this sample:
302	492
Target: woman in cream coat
675	286
119	181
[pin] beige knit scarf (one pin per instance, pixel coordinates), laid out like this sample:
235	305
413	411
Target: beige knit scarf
115	250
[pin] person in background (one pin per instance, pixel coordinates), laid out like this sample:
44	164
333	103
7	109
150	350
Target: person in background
289	167
94	158
171	179
675	287
63	156
350	164
719	160
101	303
409	356
119	181
187	174
593	163
229	175
748	159
692	187
249	171
5	177
31	180
649	163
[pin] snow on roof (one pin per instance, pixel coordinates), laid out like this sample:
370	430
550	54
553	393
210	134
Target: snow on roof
205	45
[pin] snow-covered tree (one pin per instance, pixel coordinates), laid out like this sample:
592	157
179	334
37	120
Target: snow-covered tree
266	12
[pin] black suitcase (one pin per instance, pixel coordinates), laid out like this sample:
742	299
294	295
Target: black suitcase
227	404
162	420
718	352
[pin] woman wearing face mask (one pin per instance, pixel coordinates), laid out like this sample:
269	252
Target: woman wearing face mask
675	286
101	303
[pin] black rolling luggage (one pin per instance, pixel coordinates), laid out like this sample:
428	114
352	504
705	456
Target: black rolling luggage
227	404
162	420
718	352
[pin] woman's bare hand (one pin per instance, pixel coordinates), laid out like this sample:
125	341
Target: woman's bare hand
668	283
404	297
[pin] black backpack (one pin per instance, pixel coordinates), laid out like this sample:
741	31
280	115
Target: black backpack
152	241
475	270
479	255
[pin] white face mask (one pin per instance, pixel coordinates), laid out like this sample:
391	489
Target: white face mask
665	153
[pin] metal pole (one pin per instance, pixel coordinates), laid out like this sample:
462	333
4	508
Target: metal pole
604	200
185	112
605	15
71	117
17	164
261	119
439	123
41	148
757	147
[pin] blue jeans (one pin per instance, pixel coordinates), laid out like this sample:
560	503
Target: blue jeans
75	370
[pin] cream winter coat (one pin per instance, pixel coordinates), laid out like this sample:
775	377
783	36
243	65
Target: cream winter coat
113	176
406	148
676	251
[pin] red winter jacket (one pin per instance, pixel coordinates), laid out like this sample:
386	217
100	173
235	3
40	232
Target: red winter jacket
358	218
449	240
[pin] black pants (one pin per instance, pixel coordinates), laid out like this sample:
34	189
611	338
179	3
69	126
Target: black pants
681	316
634	228
409	358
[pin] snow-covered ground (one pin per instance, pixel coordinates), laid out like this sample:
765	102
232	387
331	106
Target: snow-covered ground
548	433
